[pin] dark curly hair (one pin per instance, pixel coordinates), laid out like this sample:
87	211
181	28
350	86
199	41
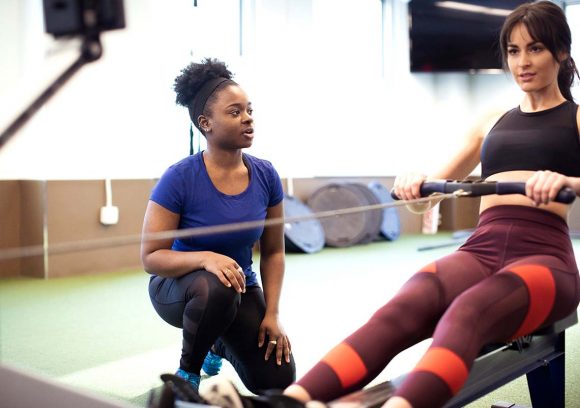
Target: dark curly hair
546	23
188	83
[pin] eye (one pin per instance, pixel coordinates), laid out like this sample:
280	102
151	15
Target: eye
512	51
235	112
536	48
250	111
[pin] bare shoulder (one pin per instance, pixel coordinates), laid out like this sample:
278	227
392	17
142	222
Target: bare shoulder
490	119
484	123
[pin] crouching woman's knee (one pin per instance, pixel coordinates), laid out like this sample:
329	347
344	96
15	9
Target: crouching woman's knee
221	300
271	377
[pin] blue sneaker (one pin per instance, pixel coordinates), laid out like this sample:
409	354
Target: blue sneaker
211	364
191	378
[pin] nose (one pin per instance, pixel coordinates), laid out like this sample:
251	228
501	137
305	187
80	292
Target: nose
524	59
247	117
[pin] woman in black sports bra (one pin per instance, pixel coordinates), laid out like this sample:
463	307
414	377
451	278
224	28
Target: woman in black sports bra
517	272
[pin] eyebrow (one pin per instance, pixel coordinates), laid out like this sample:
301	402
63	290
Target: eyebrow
238	105
510	44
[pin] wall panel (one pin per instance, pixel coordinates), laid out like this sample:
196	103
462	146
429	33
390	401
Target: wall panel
70	210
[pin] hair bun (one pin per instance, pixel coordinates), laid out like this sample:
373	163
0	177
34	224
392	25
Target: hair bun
188	83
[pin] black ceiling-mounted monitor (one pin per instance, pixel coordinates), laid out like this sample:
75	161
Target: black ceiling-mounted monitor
457	36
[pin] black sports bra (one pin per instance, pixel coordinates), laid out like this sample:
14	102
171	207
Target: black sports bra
545	140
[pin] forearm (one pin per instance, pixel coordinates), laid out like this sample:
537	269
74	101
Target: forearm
172	264
272	273
457	169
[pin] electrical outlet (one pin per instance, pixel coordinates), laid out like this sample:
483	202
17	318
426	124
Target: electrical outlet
109	215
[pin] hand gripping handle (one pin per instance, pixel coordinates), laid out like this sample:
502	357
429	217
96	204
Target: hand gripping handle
565	195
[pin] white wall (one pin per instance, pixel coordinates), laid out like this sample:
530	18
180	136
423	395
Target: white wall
327	102
573	16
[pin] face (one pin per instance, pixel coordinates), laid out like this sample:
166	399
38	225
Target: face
532	65
230	124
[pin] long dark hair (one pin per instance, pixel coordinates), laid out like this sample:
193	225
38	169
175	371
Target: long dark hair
546	23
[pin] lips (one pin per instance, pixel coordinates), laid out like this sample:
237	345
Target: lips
527	76
248	133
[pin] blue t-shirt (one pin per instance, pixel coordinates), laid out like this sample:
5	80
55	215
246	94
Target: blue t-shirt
186	189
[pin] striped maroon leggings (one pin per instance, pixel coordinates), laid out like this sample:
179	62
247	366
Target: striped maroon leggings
516	273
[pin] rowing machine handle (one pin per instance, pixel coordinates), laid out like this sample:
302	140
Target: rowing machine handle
565	195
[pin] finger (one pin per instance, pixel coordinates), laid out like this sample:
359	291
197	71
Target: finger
416	188
547	183
287	349
397	183
241	278
535	194
544	193
271	346
530	186
535	186
417	181
556	187
398	187
223	279
280	350
261	336
408	191
232	278
557	182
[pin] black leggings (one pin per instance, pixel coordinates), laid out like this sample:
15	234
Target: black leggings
212	314
516	273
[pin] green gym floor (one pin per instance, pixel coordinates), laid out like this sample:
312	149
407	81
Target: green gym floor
100	333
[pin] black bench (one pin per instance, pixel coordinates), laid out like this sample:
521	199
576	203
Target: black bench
539	356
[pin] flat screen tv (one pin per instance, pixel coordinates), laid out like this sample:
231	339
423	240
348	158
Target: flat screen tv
456	36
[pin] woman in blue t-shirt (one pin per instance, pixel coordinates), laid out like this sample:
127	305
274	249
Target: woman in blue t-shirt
205	284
